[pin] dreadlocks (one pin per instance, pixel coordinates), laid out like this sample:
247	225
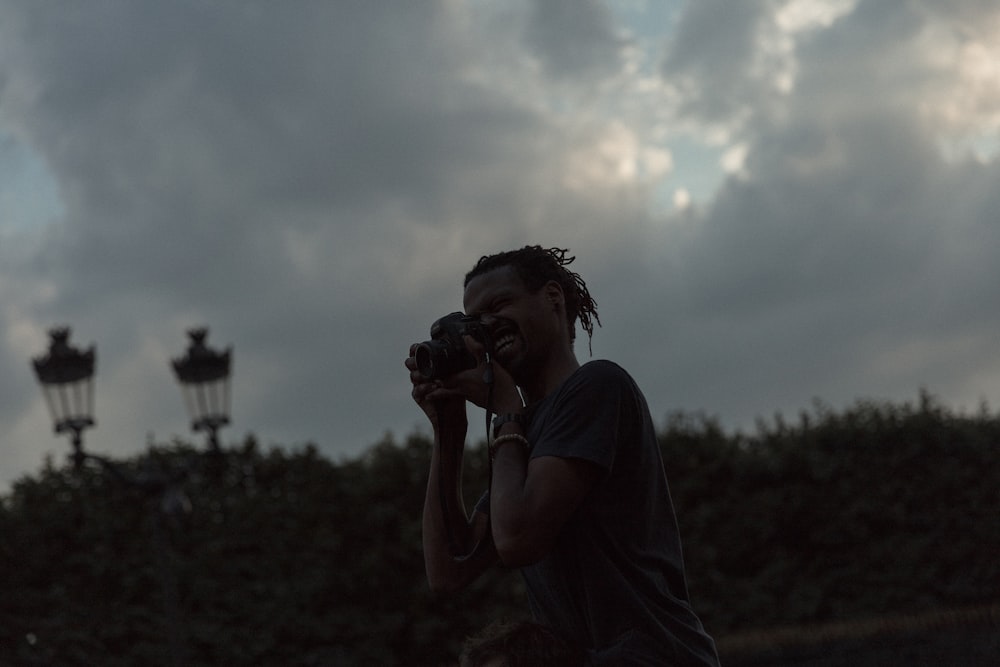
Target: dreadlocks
536	266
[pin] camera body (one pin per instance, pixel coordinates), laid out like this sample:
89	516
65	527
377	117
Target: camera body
446	352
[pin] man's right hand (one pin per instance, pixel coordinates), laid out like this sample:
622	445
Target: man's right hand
441	405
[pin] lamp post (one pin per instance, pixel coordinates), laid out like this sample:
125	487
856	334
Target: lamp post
66	374
204	376
67	378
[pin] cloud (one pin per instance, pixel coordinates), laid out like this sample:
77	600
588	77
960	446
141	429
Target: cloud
575	39
825	259
711	58
312	181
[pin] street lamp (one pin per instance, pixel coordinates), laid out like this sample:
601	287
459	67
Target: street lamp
67	378
204	376
66	374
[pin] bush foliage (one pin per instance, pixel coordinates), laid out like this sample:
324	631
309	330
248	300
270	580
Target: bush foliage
289	558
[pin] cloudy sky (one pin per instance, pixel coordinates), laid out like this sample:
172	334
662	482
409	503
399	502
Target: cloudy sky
773	201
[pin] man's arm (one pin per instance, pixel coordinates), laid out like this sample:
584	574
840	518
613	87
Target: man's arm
448	534
532	499
449	537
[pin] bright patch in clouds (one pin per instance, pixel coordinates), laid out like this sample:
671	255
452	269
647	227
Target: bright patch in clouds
617	158
776	59
682	199
733	161
800	15
975	105
963	101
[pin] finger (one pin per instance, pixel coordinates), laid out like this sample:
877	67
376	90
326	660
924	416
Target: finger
475	347
422	391
416	377
442	393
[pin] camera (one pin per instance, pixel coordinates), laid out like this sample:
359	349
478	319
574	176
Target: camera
446	353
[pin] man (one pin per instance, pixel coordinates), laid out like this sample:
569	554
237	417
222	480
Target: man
578	499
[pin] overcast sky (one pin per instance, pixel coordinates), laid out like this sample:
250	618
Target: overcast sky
773	201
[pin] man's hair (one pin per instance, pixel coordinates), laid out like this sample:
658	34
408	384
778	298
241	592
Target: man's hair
520	644
536	266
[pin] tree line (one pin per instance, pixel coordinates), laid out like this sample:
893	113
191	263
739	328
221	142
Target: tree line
286	557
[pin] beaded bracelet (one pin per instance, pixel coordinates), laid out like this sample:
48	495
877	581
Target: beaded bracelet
503	439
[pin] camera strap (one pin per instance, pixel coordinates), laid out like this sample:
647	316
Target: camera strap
488	379
453	547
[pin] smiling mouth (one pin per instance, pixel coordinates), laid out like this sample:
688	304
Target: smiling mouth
504	337
504	343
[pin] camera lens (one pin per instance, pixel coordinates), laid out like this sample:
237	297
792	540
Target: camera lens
425	355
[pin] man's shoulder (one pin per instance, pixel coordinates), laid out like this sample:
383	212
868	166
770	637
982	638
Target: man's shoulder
603	370
608	380
595	380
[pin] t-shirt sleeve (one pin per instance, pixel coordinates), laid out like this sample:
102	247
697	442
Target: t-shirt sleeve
584	420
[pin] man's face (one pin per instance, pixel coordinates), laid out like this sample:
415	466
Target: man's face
524	325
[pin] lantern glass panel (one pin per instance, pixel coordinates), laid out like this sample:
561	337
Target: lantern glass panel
208	403
71	404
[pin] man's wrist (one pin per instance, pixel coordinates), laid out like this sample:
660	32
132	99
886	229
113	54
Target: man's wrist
505	418
508	438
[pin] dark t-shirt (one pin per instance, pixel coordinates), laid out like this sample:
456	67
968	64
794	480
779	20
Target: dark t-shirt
614	581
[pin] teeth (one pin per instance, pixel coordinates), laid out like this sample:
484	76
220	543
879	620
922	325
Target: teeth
504	341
